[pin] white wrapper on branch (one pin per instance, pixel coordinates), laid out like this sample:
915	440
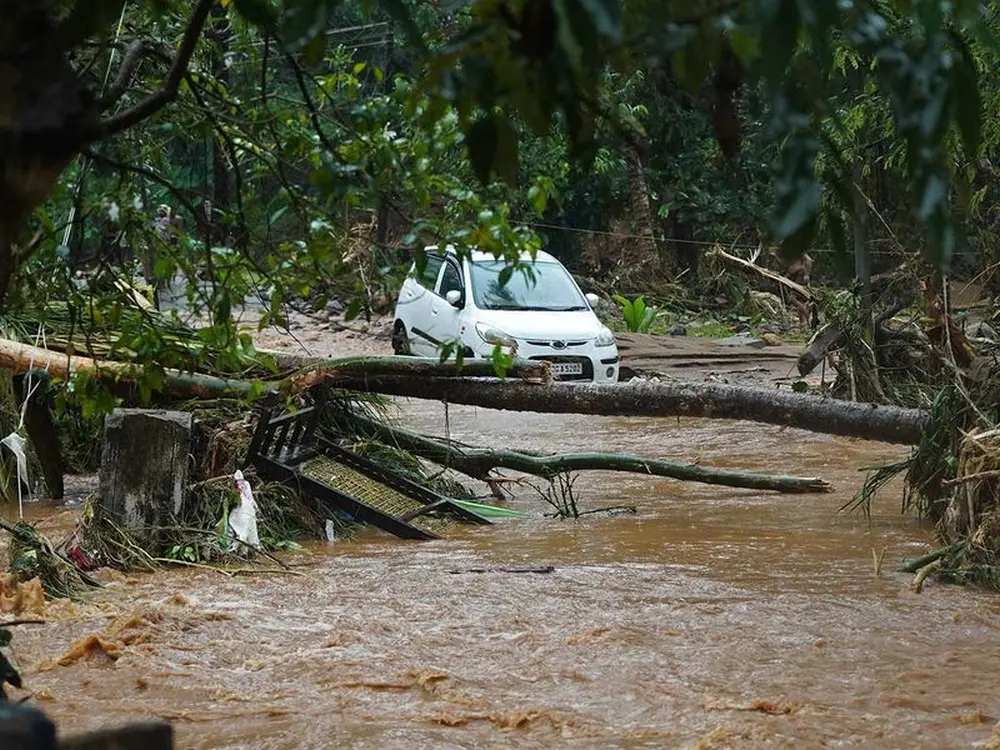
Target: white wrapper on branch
243	519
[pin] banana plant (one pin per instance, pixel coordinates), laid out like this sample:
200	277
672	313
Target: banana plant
638	315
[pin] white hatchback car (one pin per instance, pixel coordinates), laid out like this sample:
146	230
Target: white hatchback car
461	299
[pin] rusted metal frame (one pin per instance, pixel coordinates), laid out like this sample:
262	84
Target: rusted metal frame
277	471
398	483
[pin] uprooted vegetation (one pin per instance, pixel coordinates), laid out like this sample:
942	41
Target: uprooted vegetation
908	347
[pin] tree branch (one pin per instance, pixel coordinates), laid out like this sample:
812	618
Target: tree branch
130	63
107	161
158	100
479	462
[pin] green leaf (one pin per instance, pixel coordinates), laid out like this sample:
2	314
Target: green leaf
745	43
505	274
796	244
933	197
605	15
506	161
538	199
353	309
88	18
693	61
305	20
481	141
257	12
967	98
313	52
398	10
446	351
802	210
779	38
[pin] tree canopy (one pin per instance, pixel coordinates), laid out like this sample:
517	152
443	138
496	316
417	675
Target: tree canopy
308	146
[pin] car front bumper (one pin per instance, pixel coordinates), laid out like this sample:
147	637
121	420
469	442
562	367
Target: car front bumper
588	364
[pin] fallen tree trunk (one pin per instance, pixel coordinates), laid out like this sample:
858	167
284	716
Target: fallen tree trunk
428	378
479	462
20	358
412	368
889	424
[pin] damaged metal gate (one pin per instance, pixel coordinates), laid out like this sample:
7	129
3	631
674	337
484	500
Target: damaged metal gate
291	448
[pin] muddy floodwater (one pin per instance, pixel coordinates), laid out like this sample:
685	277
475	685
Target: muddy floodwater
711	618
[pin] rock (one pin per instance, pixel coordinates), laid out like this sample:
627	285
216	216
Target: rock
25	728
335	306
678	330
741	340
144	735
983	330
771	339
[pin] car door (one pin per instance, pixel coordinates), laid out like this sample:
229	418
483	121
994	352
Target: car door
445	318
415	303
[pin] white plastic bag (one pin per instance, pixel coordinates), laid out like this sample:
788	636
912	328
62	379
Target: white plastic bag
243	519
19	447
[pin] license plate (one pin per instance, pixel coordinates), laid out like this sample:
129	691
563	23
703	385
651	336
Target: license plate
567	368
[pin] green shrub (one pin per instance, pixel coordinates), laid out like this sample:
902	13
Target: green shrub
638	315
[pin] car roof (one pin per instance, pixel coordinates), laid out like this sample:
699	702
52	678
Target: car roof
478	255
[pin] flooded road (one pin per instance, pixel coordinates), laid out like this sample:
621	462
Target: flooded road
711	618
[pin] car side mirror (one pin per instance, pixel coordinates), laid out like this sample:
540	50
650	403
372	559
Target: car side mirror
454	297
592	299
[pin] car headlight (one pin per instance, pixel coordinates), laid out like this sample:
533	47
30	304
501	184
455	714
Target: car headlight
494	336
605	338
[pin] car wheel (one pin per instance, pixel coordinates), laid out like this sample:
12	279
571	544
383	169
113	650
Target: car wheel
400	341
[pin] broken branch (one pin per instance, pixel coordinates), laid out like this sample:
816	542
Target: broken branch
783	280
479	462
159	99
130	63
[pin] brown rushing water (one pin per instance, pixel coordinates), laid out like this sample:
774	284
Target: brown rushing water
712	618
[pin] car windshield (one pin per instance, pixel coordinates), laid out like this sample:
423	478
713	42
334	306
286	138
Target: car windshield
546	286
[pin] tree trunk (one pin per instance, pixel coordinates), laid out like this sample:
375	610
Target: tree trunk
144	469
888	424
479	462
645	252
43	112
42	430
19	358
476	384
222	181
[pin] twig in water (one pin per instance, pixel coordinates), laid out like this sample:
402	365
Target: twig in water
922	574
877	558
189	564
506	569
264	571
